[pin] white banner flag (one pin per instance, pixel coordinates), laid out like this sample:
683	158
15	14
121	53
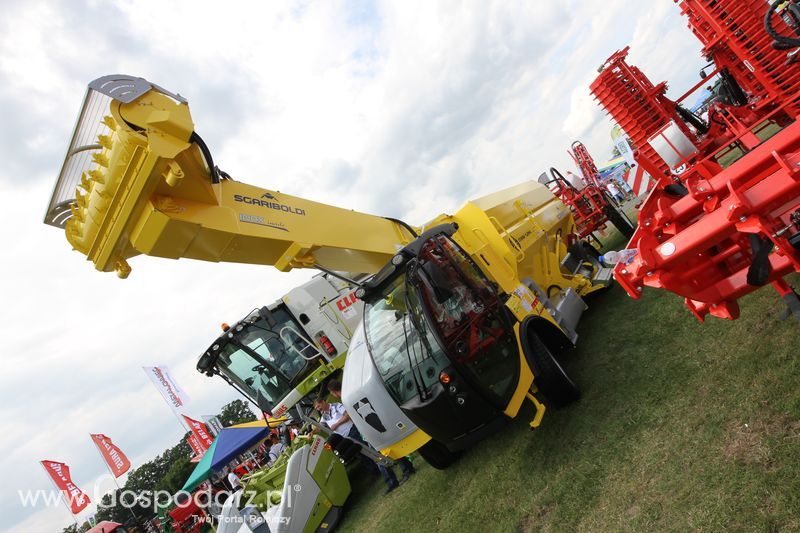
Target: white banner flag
213	423
623	145
175	396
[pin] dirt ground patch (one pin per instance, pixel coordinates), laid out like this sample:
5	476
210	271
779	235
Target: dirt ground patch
536	521
747	443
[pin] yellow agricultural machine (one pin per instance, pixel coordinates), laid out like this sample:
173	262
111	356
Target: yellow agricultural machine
461	319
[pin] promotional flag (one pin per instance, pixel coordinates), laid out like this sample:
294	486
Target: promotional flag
195	445
59	473
213	424
175	396
200	431
622	144
117	462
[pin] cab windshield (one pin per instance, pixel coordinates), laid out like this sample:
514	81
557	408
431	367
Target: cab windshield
468	317
264	361
403	348
441	311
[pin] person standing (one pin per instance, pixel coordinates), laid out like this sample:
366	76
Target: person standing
335	388
336	418
614	191
276	448
234	481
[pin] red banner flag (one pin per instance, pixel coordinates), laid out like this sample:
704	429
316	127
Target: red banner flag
200	431
59	473
195	445
117	462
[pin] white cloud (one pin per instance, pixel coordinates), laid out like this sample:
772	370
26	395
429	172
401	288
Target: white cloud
397	108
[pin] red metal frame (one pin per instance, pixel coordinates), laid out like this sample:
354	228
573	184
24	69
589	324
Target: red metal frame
697	245
188	518
638	106
588	205
697	242
733	37
584	161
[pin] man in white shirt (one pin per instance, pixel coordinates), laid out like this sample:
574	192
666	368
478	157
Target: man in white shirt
335	388
335	417
276	449
614	190
234	481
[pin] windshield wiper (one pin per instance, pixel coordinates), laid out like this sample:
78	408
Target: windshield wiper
421	392
416	372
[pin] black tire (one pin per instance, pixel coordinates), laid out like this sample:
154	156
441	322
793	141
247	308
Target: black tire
619	219
437	455
334	439
350	454
346	450
552	381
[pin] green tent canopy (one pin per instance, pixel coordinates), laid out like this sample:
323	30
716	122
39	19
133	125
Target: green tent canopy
202	471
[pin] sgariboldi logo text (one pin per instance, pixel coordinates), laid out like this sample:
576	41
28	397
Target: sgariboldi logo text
266	200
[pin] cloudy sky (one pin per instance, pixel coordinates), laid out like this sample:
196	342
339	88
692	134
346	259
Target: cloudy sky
402	109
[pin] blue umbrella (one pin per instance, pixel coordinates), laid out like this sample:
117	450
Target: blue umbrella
229	443
235	440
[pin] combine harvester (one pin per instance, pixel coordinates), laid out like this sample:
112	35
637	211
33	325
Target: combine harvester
591	206
460	321
708	232
279	354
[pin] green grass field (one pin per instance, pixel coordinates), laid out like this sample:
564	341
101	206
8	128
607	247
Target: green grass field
681	426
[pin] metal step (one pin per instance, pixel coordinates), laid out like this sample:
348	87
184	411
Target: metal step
603	276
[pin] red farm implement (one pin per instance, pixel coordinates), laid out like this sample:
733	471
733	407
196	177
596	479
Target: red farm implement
713	230
592	207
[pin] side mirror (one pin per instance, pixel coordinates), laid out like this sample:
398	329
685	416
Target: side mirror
205	365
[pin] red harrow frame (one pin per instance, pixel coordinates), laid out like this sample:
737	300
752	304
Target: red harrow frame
591	207
708	233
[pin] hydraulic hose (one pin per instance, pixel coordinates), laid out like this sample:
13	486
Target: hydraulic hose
781	42
691	118
557	176
404	224
215	173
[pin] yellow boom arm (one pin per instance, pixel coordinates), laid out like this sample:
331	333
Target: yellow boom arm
137	180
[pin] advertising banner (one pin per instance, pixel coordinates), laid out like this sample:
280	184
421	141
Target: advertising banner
76	500
117	462
172	393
